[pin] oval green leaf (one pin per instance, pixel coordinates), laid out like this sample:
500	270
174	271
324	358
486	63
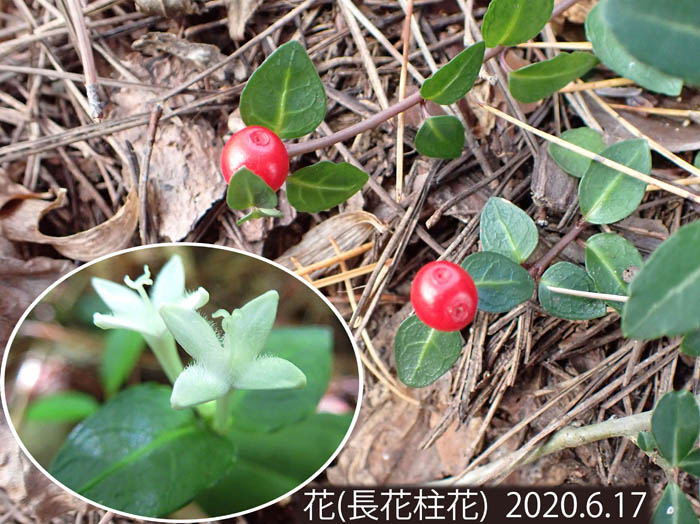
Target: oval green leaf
246	189
675	425
607	257
537	81
665	294
569	276
441	137
67	406
674	507
120	456
662	34
691	344
285	93
573	163
508	230
454	80
123	349
424	354
502	284
691	463
645	441
617	58
310	349
607	195
512	22
324	185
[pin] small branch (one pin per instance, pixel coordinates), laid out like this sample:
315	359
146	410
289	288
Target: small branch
538	267
588	294
406	37
585	86
144	170
585	46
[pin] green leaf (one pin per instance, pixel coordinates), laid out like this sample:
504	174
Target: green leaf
260	212
512	22
67	406
123	349
691	463
138	455
569	276
271	464
573	163
612	54
646	442
508	230
696	162
662	34
607	257
441	137
674	507
607	195
502	284
285	94
665	294
311	350
246	189
424	354
454	80
691	344
537	81
675	425
324	185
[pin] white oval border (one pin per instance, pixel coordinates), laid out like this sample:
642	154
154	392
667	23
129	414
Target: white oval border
360	374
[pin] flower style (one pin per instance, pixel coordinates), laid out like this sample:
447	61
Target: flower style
232	362
132	308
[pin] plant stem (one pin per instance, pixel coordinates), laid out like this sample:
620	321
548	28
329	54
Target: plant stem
163	348
223	413
538	267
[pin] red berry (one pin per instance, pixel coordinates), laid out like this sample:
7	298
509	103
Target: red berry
261	151
444	296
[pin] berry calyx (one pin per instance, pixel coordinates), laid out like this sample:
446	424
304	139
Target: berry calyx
261	151
444	296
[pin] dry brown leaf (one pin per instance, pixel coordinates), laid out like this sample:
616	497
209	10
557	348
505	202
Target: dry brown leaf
28	487
168	8
349	230
239	12
578	12
20	223
551	187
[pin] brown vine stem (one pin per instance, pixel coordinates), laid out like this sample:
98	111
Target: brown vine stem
538	267
389	112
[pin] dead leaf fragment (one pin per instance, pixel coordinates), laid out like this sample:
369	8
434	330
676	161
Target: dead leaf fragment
168	8
198	54
239	12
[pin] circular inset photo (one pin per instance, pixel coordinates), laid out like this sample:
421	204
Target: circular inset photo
181	382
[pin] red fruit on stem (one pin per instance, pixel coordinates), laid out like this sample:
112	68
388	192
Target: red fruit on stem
444	296
261	151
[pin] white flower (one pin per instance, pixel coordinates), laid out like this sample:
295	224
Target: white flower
234	362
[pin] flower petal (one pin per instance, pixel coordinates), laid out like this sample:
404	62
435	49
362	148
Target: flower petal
169	285
119	298
269	373
194	300
196	385
248	327
194	334
139	324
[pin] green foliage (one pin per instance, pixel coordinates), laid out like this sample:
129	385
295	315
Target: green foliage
608	49
285	93
502	284
607	195
512	22
122	351
675	425
246	189
691	463
674	507
508	230
569	276
573	163
310	349
424	354
454	80
138	455
324	185
661	34
646	442
665	294
67	406
537	81
269	465
441	137
607	257
691	344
